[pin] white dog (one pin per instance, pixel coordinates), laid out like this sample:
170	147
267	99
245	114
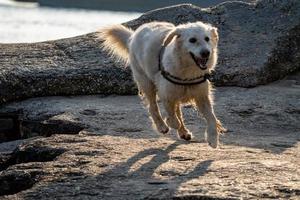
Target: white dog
173	63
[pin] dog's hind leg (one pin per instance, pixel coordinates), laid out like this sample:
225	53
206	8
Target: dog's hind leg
159	123
183	132
174	119
148	90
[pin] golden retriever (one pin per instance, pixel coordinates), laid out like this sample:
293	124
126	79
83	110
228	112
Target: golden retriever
172	63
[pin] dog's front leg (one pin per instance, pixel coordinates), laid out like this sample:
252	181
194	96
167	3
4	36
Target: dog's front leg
205	107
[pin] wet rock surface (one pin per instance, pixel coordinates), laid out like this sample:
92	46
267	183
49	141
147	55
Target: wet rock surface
259	43
118	155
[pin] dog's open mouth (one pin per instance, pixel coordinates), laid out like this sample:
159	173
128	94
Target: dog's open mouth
200	62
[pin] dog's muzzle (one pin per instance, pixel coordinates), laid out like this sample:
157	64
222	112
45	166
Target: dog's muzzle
200	62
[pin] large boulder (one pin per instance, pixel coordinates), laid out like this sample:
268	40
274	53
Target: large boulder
70	66
259	43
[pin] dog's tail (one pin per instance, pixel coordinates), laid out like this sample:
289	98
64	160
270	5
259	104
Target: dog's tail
115	40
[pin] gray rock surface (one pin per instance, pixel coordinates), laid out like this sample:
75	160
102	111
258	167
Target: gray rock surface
125	5
259	43
118	155
63	67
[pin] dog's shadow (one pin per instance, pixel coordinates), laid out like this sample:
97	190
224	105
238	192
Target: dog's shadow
142	180
123	181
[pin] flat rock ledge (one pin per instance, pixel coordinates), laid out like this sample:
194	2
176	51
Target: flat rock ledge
117	155
259	43
107	167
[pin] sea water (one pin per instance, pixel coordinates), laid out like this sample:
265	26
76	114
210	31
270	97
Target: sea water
23	22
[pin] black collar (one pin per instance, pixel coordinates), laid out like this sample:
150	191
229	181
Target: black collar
177	80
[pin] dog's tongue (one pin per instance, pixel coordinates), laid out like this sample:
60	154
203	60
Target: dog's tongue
201	62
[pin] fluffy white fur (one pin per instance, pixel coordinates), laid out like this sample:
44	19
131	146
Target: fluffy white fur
141	49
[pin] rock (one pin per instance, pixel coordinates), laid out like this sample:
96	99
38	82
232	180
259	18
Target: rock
14	127
9	147
259	43
64	67
129	5
119	156
12	182
107	167
31	128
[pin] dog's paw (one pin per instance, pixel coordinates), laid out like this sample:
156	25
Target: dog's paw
185	134
213	144
164	129
186	137
213	139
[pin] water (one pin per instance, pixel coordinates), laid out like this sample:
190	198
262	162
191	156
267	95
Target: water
21	22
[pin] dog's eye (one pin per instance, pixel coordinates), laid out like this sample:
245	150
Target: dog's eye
206	39
192	40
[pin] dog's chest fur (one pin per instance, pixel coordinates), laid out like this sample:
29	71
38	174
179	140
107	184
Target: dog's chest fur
184	94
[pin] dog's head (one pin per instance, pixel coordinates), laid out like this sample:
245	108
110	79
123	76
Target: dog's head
196	43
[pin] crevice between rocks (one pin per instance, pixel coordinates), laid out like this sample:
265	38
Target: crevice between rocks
47	128
14	126
13	180
10	126
35	152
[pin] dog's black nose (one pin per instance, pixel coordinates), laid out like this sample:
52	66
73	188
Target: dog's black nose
204	53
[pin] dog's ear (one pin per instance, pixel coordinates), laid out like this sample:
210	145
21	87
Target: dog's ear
170	36
215	35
